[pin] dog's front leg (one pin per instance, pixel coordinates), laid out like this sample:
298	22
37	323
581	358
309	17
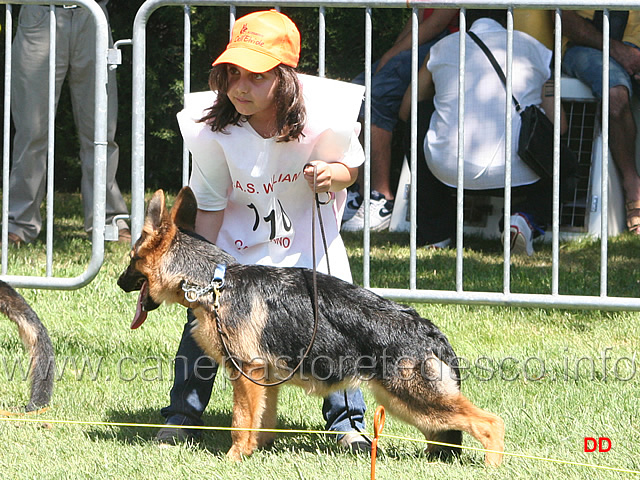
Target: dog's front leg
249	402
269	417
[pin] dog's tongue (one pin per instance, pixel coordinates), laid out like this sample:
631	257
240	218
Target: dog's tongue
141	314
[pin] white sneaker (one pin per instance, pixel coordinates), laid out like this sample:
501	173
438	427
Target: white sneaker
380	215
354	200
521	232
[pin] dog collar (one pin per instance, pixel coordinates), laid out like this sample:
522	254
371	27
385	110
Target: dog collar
218	274
193	292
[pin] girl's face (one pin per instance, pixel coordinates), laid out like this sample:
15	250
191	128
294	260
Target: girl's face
252	94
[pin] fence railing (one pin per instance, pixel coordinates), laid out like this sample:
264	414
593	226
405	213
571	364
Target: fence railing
457	295
100	146
412	293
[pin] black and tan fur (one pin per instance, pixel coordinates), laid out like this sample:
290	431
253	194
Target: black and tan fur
267	313
36	340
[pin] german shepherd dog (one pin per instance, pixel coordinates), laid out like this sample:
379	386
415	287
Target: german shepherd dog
266	315
36	340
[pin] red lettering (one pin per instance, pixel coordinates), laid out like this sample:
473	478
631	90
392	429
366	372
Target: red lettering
601	442
268	187
238	185
591	440
284	242
240	245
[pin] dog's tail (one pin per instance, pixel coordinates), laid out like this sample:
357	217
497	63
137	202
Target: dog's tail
36	340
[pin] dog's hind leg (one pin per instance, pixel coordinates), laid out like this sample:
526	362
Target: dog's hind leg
438	413
249	404
485	427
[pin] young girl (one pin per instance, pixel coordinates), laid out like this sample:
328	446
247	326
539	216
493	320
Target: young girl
254	153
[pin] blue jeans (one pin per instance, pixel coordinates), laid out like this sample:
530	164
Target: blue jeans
585	64
195	372
390	83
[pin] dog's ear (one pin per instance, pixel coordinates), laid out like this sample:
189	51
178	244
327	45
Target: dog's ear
184	210
156	211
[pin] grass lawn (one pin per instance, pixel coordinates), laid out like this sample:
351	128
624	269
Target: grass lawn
554	376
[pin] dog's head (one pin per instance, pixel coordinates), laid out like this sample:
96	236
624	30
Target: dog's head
147	270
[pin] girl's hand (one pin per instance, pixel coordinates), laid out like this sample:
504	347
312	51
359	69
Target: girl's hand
324	175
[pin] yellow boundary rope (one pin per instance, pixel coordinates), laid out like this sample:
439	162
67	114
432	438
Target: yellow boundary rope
13	417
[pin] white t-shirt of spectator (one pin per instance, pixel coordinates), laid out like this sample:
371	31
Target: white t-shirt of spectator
485	100
259	182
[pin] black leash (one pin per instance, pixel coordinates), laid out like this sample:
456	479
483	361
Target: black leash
217	285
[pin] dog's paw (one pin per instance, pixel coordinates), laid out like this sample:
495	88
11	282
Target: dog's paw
234	454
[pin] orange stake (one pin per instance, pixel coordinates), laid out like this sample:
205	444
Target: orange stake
378	425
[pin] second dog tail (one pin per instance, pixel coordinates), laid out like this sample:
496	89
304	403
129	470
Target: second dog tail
36	340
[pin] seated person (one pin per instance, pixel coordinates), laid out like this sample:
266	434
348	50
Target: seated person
583	60
391	76
484	130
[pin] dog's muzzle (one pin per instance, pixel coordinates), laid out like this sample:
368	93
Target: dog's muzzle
131	281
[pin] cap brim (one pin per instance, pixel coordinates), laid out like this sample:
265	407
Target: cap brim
256	62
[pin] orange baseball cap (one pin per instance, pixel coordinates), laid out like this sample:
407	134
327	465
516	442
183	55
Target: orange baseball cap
262	40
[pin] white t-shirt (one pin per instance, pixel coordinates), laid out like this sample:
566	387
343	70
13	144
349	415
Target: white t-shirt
259	182
485	95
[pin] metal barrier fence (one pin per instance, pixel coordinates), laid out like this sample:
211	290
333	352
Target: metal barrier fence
100	146
413	294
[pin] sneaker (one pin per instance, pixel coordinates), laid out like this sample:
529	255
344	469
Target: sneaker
380	215
354	200
355	443
521	232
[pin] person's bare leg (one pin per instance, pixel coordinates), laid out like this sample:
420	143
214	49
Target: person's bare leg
381	161
622	143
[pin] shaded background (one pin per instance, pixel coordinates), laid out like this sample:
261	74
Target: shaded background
164	85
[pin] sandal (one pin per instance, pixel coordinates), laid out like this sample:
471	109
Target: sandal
633	217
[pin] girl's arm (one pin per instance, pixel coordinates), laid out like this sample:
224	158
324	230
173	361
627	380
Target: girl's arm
331	177
208	224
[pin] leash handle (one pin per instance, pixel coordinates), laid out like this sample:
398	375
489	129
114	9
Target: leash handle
316	210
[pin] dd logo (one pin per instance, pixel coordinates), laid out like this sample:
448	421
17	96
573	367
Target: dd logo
601	444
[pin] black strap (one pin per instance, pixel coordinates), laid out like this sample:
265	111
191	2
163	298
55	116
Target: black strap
495	64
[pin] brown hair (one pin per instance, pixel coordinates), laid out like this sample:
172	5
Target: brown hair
291	114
